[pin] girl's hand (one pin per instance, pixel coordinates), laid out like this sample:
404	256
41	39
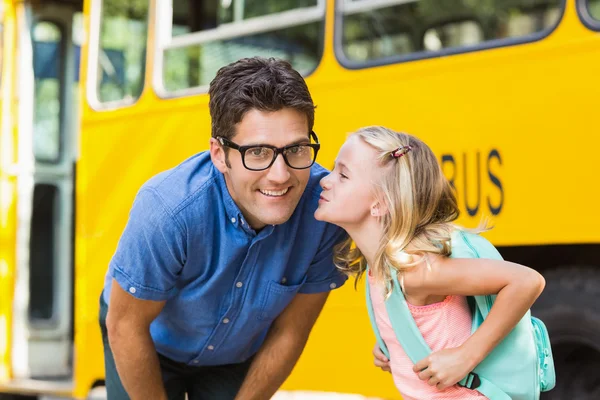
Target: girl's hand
381	360
444	368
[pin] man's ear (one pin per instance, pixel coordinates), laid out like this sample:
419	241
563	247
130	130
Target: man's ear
217	155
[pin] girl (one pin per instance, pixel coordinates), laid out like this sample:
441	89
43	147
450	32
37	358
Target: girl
388	192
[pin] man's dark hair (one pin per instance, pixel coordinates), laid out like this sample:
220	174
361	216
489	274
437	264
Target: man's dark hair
265	84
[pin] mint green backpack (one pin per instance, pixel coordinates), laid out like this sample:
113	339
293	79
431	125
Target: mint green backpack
519	368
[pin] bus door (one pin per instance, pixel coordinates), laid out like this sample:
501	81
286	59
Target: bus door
47	123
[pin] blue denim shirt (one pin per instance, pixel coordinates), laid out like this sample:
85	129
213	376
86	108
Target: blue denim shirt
187	242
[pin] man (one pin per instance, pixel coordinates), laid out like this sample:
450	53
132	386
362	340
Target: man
222	271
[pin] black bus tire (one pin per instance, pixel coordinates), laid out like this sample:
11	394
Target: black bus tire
570	308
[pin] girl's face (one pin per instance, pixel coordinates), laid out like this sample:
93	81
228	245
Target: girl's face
348	196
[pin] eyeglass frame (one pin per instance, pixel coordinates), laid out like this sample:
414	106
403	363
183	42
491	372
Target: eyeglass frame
276	150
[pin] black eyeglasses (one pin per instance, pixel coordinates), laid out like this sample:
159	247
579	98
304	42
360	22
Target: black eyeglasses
259	157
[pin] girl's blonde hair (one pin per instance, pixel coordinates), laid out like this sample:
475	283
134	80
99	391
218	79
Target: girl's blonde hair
420	202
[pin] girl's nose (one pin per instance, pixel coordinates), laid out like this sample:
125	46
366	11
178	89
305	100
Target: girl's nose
325	181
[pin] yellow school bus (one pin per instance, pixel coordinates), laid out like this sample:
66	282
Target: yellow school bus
97	96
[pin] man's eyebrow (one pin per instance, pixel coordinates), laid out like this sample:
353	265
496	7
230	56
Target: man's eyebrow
300	141
294	143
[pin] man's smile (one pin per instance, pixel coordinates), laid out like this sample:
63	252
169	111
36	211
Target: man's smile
275	193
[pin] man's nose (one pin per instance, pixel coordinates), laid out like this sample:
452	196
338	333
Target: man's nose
279	171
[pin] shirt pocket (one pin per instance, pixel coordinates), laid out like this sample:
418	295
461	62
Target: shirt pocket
276	298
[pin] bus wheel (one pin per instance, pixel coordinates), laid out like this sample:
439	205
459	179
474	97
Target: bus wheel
569	308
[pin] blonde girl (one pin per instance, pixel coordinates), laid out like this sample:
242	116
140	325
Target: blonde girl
388	192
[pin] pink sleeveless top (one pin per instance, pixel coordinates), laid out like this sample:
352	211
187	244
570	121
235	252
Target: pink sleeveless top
443	325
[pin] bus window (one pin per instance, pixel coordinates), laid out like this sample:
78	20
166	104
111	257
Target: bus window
374	30
593	7
453	34
208	34
48	46
122	53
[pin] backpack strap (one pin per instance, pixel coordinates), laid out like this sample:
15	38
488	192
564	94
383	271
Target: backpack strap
468	245
407	332
463	247
403	323
482	385
380	341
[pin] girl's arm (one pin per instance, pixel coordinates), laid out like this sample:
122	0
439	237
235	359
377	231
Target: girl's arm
517	288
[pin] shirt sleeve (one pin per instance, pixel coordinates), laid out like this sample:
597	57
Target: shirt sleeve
322	274
151	252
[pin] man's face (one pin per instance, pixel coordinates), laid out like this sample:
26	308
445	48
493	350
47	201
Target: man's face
266	197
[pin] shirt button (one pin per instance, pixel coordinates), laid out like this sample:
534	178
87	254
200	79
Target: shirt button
333	286
132	290
239	284
233	220
211	347
283	280
225	320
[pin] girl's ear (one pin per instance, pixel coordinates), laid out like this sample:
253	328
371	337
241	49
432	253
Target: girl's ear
379	209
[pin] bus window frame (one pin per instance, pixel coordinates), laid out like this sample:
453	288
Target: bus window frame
421	55
61	78
163	22
93	50
585	17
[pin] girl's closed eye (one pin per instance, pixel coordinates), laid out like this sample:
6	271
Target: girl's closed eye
343	176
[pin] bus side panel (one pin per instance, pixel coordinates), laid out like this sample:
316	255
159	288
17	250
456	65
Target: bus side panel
8	189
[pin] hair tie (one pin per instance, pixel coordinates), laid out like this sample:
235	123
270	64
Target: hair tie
400	151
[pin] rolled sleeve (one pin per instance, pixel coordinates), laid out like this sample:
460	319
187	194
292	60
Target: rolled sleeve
150	253
322	274
137	290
